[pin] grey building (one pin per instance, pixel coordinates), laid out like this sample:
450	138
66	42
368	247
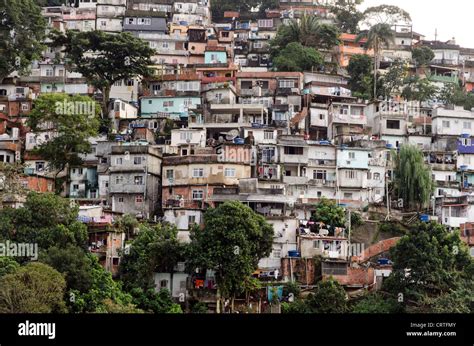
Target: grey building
134	179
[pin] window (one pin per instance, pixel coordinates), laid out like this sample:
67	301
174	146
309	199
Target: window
138	180
293	151
169	174
115	261
319	175
39	166
118	161
185	136
319	194
351	174
198	195
191	219
130	82
120	199
229	172
168	104
119	180
118	83
376	176
369	175
103	160
257	45
352	155
446	123
163	284
467	125
75	187
265	23
393	124
198	172
26	107
466	142
276	253
138	160
287	84
49	72
347	195
268	135
138	199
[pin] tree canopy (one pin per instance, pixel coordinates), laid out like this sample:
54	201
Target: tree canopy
295	57
348	17
232	242
432	267
422	55
413	179
46	219
155	249
33	288
360	76
327	298
104	59
73	120
309	32
329	213
21	35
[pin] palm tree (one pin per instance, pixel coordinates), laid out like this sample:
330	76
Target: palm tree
378	36
308	31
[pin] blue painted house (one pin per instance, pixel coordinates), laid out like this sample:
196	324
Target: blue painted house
175	107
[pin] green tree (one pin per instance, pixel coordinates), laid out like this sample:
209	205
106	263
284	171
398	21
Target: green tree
452	94
155	249
413	180
347	15
8	265
386	14
430	262
73	262
74	119
375	303
45	219
21	35
115	58
232	242
360	76
329	213
419	89
379	36
34	288
159	302
328	298
309	32
423	55
104	295
295	57
393	80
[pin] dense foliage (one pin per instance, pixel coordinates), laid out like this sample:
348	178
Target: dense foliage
21	35
232	242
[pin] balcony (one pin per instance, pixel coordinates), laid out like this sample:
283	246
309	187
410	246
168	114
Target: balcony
319	163
295	180
349	119
322	183
443	166
443	79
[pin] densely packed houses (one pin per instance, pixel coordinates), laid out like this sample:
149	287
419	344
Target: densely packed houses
276	141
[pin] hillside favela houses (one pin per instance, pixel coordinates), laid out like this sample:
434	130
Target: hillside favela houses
235	112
